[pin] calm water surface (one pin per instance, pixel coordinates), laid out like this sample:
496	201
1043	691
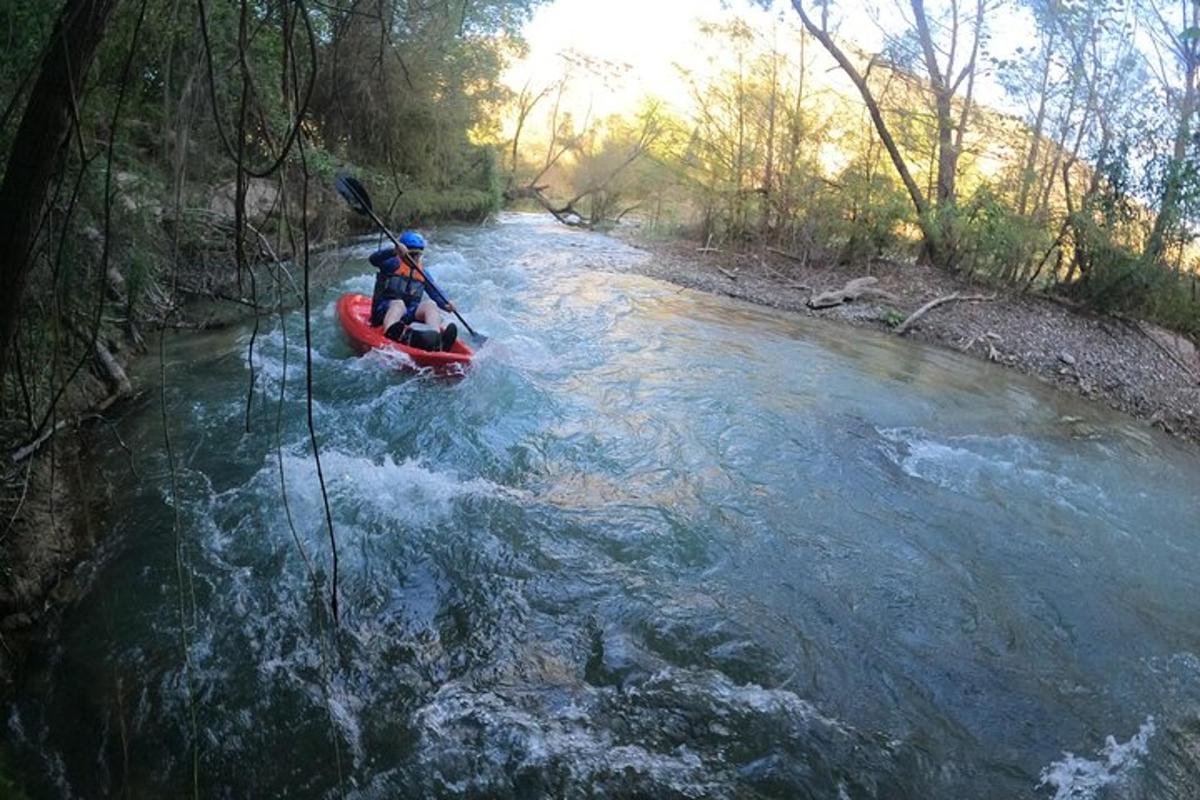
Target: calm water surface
655	544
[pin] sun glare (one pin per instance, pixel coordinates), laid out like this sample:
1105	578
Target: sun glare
637	46
640	47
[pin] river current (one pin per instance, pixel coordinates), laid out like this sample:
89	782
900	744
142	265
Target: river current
655	543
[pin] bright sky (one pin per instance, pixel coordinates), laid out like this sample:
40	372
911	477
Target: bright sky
649	35
654	35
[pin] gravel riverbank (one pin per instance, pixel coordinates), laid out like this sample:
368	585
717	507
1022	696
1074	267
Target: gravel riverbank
1133	367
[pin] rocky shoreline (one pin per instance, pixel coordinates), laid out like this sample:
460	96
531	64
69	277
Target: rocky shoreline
1131	366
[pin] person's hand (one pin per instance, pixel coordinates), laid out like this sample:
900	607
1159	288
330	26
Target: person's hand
401	250
450	307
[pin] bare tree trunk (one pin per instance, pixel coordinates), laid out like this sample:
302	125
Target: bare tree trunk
1042	201
769	170
740	151
947	158
914	191
1036	137
1168	207
938	234
950	134
37	152
526	100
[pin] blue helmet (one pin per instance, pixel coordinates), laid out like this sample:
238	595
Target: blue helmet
412	240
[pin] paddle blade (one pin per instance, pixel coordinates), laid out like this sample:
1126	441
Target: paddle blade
354	193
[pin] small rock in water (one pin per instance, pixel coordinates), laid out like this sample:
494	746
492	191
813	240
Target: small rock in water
1067	358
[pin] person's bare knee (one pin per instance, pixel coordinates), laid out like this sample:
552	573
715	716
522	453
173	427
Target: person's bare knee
428	313
394	312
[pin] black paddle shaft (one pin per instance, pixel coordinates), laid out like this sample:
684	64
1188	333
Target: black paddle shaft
356	195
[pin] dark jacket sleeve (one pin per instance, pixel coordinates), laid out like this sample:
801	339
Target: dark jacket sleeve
434	292
377	292
385	260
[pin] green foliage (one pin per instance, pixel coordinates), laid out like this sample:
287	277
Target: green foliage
322	164
402	205
1113	269
873	209
1175	303
491	176
1114	278
25	27
406	91
10	789
421	206
997	242
398	91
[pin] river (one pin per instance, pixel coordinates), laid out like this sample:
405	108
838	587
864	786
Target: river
655	543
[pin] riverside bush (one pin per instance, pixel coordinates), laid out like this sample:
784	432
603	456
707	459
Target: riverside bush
1174	304
997	242
870	211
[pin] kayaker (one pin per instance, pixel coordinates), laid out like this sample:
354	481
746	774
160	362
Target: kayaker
406	300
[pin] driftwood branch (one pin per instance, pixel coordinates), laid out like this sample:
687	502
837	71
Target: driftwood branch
20	503
566	214
1179	362
117	378
787	280
25	452
114	374
786	254
621	216
731	275
990	339
903	327
854	290
197	291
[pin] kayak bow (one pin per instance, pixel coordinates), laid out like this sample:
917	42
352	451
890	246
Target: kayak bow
354	312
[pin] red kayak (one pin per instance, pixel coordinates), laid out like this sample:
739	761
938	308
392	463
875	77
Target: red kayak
354	311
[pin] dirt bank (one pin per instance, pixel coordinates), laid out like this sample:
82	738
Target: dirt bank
1128	365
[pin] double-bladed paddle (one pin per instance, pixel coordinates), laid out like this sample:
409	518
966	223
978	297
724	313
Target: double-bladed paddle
355	194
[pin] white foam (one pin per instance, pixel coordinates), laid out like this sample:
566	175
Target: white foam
361	284
405	492
1077	778
448	266
389	357
268	357
967	464
345	710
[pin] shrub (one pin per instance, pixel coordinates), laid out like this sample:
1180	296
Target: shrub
868	216
995	241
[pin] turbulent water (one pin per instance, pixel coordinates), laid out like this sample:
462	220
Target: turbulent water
654	544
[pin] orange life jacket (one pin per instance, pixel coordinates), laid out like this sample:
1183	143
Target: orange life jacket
405	283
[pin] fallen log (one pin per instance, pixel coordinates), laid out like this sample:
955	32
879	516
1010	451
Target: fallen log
787	281
989	339
854	290
114	373
1156	336
903	327
22	453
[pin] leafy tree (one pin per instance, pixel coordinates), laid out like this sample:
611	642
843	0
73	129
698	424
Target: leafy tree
950	59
